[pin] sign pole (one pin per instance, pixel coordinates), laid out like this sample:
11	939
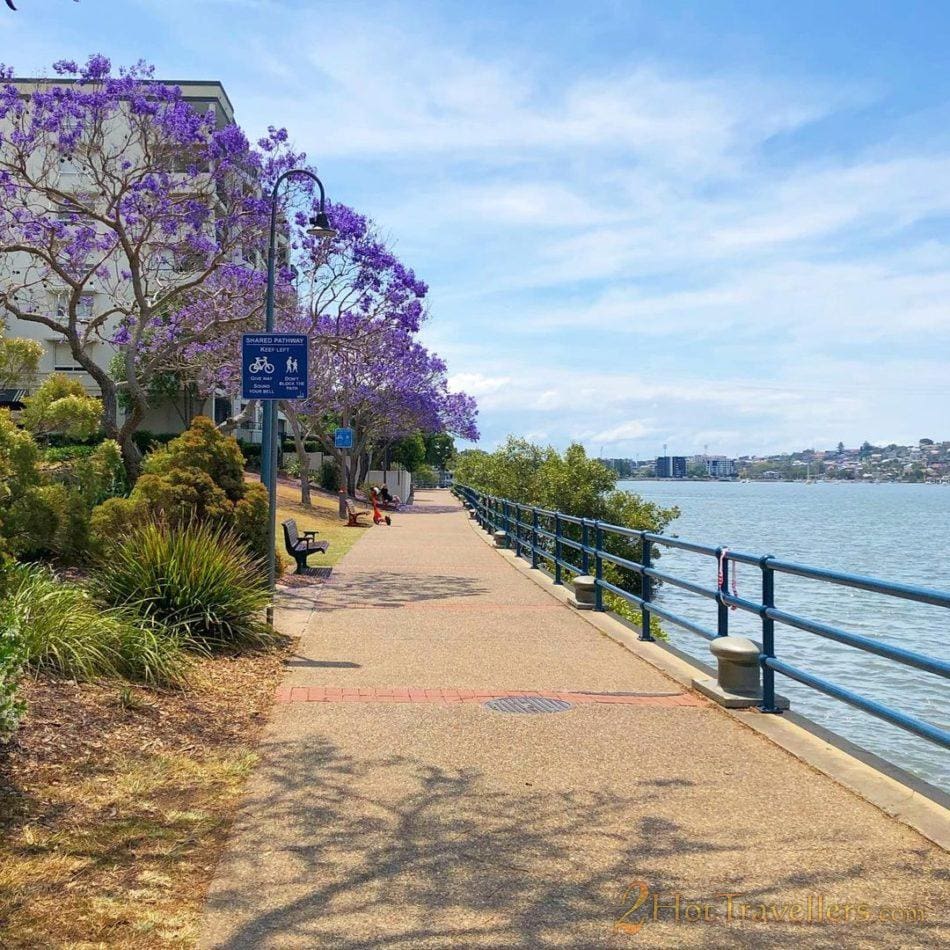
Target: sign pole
343	439
274	368
270	415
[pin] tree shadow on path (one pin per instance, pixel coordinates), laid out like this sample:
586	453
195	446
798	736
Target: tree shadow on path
381	589
392	851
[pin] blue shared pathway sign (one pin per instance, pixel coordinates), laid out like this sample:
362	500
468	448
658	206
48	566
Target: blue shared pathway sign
274	366
343	439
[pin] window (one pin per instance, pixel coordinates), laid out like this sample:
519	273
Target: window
180	159
222	409
63	361
83	311
188	261
71	210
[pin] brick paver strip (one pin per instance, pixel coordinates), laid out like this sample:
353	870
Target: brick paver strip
444	696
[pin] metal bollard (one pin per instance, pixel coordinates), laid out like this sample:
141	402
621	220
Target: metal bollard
738	683
738	661
584	592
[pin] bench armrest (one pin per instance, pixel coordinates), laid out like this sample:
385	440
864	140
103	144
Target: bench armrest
310	534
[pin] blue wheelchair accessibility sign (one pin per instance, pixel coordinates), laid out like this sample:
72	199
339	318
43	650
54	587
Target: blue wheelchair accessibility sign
274	366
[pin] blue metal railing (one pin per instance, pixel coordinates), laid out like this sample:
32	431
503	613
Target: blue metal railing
579	546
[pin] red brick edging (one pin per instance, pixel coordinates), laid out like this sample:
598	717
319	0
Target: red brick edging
372	694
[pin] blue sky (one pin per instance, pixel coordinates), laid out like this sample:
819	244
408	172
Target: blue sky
718	224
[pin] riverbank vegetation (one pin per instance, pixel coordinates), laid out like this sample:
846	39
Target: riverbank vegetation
573	484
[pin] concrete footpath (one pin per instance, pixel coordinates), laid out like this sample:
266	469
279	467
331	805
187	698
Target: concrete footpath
391	808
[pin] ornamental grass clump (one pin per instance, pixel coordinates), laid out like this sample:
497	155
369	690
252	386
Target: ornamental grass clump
197	581
12	659
61	629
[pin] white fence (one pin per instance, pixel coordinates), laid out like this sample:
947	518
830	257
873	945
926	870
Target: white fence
398	481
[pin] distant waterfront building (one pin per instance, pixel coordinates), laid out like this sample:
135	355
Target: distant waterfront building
671	466
719	466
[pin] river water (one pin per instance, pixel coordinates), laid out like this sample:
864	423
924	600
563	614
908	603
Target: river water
898	532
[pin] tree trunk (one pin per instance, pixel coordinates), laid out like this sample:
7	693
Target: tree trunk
108	391
235	421
302	456
362	467
131	456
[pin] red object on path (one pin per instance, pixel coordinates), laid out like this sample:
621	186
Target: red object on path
378	516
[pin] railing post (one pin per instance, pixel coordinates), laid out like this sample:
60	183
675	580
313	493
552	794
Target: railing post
585	542
534	537
768	637
722	587
598	567
557	548
646	587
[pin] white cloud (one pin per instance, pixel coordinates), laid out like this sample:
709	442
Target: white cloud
478	384
624	432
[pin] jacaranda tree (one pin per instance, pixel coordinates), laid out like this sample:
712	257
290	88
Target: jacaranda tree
128	218
362	309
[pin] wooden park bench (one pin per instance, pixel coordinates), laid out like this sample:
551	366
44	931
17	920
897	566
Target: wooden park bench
353	517
300	548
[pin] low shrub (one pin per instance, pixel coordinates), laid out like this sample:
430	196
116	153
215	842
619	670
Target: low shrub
46	498
67	453
250	450
146	441
250	519
199	582
329	476
62	629
61	406
202	447
115	519
198	476
6	567
292	464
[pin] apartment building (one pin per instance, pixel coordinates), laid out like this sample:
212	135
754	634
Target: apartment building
169	413
720	466
670	466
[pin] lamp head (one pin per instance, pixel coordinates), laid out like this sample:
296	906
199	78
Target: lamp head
320	227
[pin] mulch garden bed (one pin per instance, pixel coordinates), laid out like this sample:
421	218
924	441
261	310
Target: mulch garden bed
115	802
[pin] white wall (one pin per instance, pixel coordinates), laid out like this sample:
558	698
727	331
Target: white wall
399	482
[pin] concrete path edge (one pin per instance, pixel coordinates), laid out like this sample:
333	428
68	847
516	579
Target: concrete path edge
910	807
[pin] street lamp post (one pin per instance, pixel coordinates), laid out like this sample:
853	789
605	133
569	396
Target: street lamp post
320	227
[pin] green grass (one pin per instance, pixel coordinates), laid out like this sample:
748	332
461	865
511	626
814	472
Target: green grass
323	517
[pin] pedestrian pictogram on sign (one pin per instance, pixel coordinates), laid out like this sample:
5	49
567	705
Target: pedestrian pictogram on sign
343	439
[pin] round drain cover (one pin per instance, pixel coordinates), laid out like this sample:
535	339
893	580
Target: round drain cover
527	704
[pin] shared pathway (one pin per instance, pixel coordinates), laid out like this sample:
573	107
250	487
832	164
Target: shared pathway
392	807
